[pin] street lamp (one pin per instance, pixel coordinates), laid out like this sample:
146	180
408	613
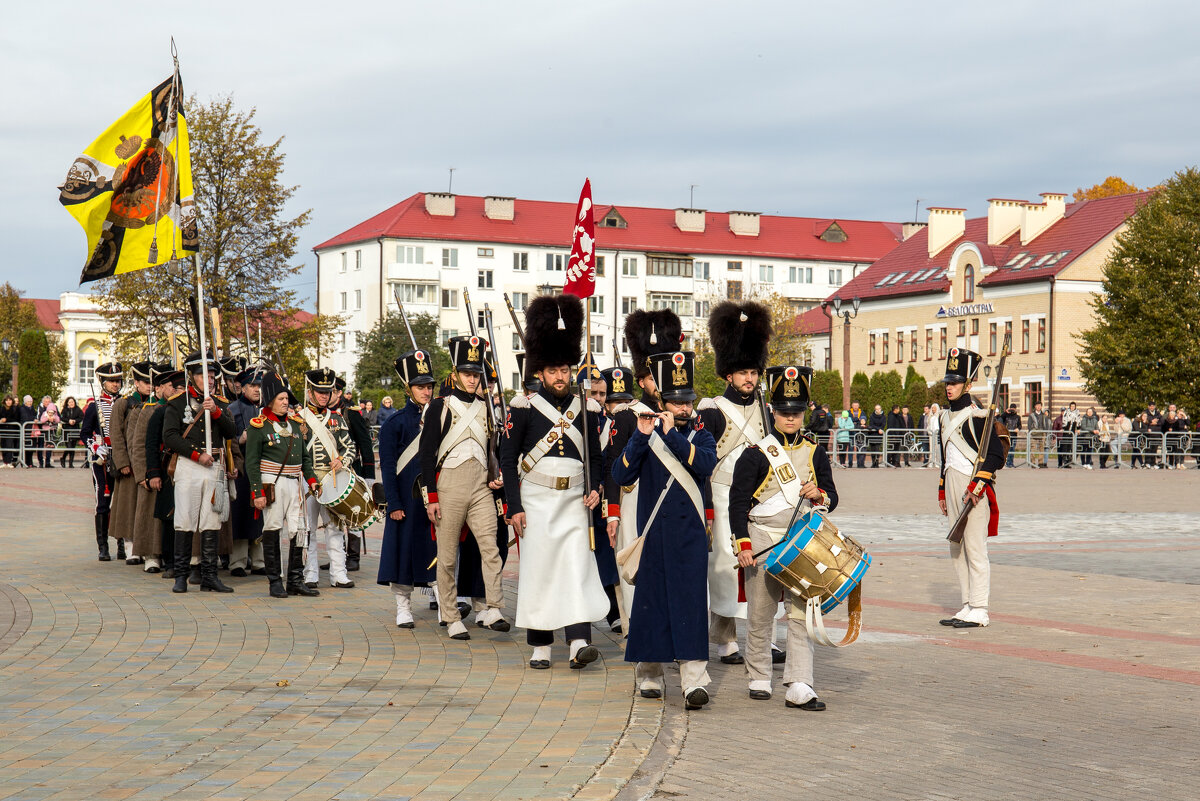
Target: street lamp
987	371
545	289
11	347
847	315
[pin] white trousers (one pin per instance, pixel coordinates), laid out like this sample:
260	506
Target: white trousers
321	529
692	673
970	557
194	488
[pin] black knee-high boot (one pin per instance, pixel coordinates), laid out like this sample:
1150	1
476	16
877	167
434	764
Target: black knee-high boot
295	573
353	551
183	558
273	563
209	581
120	549
167	537
102	538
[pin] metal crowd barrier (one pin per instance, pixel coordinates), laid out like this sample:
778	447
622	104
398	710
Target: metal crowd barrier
21	443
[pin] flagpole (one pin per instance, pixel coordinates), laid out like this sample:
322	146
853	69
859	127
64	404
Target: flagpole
203	354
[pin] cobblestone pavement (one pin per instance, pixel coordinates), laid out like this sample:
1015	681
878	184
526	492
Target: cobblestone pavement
1085	685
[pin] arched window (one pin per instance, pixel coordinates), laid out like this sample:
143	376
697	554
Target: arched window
969	283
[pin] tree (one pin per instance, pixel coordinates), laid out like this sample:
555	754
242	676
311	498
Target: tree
827	388
1109	187
387	339
860	390
16	316
247	244
787	345
705	379
36	369
1146	342
886	390
916	391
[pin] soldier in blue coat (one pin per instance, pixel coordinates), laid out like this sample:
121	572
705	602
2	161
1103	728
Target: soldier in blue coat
671	456
408	550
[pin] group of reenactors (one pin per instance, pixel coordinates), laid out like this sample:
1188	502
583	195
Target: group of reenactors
649	512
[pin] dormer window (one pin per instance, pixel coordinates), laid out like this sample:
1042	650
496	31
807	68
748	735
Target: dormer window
613	219
834	233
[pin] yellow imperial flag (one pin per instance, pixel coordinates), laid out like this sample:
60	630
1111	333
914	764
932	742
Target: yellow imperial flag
131	189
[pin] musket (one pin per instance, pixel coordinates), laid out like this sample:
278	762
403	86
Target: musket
516	323
587	465
246	323
493	457
487	318
960	522
403	316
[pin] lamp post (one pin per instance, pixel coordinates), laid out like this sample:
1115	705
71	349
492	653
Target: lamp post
10	347
847	314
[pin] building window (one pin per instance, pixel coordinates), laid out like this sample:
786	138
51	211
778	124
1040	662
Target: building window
942	342
599	266
680	304
835	277
517	383
734	266
420	293
871	350
1024	337
766	273
629	267
342	342
701	308
485	279
991	339
969	283
87	371
628	305
885	348
733	290
449	257
596	304
516	346
899	346
357	299
342	269
554	262
342	296
358	259
449	298
520	300
1041	334
480	321
448	334
669	265
597	343
928	344
701	270
912	348
520	262
962	328
1008	332
1005	394
800	275
410	254
974	326
485	253
1033	395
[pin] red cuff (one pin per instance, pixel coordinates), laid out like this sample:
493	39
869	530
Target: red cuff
941	493
254	494
709	514
312	482
216	413
433	497
744	545
614	510
195	457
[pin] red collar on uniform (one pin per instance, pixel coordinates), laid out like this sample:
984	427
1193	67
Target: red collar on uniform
270	415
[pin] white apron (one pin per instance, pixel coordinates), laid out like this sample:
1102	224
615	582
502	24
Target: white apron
558	583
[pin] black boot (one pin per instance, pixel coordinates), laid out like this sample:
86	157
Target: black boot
270	543
353	551
209	581
183	556
167	536
295	574
120	548
102	538
193	573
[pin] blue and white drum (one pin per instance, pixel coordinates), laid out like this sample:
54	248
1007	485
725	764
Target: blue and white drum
817	561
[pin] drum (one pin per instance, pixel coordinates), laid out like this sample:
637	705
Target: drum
348	500
816	561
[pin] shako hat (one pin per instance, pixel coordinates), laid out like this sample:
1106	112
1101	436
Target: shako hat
787	387
164	373
588	373
553	332
320	380
466	352
142	371
962	366
651	332
674	374
739	333
111	371
194	362
415	368
339	384
618	380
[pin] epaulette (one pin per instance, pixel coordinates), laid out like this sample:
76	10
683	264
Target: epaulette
149	403
594	406
218	397
356	408
620	407
177	394
707	403
519	402
296	417
258	422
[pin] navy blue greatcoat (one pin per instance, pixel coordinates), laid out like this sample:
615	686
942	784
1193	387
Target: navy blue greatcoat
669	620
408	545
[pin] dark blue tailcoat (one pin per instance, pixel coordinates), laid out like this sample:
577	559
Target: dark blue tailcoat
408	545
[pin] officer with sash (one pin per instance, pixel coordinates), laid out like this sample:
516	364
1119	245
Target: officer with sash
246	554
280	474
95	437
454	453
201	491
122	419
406	557
770	479
738	333
670	456
962	427
548	502
331	446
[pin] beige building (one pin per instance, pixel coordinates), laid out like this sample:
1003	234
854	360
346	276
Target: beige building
75	320
1026	270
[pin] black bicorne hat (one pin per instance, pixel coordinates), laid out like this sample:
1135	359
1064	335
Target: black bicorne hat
466	352
787	387
415	368
738	333
164	373
272	385
619	381
553	332
651	332
962	365
321	379
674	374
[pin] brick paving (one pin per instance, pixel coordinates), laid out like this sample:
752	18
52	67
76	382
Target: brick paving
1085	685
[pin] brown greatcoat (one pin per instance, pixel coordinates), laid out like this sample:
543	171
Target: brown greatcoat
124	414
147	537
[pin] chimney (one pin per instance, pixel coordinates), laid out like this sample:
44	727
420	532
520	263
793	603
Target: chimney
1040	216
908	229
945	225
690	220
439	204
1004	218
744	223
498	208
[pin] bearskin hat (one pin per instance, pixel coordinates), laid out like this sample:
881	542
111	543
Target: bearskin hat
738	333
651	332
553	332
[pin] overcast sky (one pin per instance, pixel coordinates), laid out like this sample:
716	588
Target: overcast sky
850	110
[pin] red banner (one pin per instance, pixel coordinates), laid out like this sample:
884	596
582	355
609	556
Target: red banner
581	269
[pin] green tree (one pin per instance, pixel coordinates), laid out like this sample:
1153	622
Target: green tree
708	384
916	391
36	368
247	248
1146	341
860	390
886	389
937	394
387	339
827	389
16	316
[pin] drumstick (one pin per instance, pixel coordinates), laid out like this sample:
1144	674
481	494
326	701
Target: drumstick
795	514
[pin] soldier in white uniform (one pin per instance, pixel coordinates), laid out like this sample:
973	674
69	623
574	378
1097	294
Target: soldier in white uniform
328	439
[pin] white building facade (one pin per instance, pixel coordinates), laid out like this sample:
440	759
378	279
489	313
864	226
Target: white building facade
434	247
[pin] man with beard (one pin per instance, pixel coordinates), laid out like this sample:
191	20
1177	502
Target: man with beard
246	555
548	502
408	551
739	333
95	437
670	456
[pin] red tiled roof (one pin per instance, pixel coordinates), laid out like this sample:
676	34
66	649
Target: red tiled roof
47	312
913	272
549	224
812	322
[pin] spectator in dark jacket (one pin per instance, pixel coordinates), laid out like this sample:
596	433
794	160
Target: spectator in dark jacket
876	425
72	421
386	410
1012	421
820	424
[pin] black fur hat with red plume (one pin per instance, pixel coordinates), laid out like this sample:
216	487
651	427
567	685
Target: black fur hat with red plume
738	333
651	332
553	332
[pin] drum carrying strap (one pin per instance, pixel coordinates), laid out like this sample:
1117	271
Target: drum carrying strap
560	426
320	431
785	473
679	474
813	618
741	429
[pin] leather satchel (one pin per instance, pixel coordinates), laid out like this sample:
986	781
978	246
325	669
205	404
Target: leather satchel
269	489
